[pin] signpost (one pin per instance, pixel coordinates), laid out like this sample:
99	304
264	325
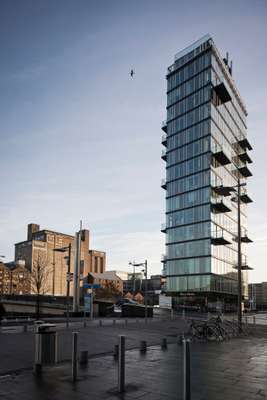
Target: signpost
87	302
89	298
91	286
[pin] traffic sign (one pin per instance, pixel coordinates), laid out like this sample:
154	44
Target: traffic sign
91	286
69	276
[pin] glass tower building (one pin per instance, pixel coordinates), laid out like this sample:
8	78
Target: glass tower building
206	154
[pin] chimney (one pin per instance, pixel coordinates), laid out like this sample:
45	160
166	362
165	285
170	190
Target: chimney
32	228
85	238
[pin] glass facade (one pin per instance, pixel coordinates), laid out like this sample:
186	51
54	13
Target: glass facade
205	133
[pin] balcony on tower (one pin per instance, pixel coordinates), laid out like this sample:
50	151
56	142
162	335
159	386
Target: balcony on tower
223	190
164	139
219	237
164	155
163	228
219	207
245	157
164	126
244	237
222	92
244	265
163	258
244	197
220	155
244	143
163	184
244	171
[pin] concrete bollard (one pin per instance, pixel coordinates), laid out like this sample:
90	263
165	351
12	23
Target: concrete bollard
56	348
114	322
116	351
100	322
164	344
143	346
187	371
121	364
83	357
74	355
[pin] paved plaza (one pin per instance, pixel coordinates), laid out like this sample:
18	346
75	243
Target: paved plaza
236	369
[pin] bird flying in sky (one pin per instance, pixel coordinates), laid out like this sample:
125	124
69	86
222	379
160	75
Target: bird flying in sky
132	73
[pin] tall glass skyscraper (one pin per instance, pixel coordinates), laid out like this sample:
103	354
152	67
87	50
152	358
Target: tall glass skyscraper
206	152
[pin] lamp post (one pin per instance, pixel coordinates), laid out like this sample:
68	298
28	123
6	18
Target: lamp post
144	264
64	250
226	191
239	275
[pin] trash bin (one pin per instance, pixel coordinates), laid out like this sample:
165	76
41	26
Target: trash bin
45	344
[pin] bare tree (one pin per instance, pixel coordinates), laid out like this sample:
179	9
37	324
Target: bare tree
40	280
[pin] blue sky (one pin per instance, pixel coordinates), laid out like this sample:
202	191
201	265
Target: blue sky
81	140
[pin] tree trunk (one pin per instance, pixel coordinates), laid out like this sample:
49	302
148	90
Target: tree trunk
38	307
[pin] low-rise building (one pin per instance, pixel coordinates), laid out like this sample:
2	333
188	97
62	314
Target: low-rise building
41	247
137	284
5	279
257	296
14	279
107	280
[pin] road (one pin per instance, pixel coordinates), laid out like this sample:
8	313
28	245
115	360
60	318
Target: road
17	349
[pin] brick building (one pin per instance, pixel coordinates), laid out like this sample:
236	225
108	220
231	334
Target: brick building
107	280
97	261
14	278
5	279
40	245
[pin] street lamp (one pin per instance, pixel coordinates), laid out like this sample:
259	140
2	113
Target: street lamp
64	250
144	264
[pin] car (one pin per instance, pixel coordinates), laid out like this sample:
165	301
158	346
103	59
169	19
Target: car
125	301
39	322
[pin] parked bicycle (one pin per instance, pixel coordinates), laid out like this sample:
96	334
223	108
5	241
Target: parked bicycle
215	328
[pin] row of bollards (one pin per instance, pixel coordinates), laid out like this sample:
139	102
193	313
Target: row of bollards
119	354
100	322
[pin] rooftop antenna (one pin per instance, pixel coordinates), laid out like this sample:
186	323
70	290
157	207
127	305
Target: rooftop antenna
231	68
226	58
